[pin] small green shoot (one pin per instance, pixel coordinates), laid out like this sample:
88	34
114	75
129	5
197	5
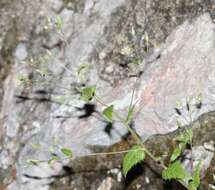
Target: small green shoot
130	114
33	162
186	137
35	146
24	80
176	171
58	22
108	113
195	182
176	153
87	93
52	160
67	152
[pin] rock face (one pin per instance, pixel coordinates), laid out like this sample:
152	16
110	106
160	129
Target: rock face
112	37
184	71
105	168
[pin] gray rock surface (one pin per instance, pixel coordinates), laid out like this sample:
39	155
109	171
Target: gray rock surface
145	176
184	71
111	36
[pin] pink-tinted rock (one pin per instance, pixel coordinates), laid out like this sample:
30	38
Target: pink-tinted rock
186	67
184	74
185	70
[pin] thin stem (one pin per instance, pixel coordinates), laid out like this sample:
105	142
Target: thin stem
93	154
139	141
131	131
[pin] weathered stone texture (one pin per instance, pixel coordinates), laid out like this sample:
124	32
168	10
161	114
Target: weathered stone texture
110	35
184	71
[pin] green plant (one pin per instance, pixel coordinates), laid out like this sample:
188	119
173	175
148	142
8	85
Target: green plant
138	152
175	170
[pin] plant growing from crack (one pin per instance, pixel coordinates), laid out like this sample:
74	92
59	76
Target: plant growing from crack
138	152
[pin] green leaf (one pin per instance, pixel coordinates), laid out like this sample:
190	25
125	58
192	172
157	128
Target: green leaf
35	146
195	182
23	79
197	172
33	161
67	152
178	124
199	98
137	61
82	70
61	99
88	93
176	153
58	22
134	156
52	149
83	67
53	158
176	171
186	137
108	113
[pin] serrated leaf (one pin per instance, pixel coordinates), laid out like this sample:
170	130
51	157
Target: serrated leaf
108	113
176	171
186	137
195	182
176	153
197	172
88	93
67	152
135	155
